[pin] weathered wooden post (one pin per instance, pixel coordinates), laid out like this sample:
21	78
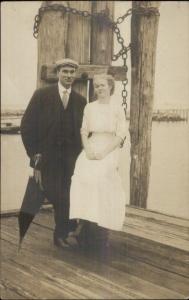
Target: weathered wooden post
78	38
101	42
63	34
85	39
144	29
102	34
52	37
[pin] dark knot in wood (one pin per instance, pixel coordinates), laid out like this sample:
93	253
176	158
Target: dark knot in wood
84	76
146	11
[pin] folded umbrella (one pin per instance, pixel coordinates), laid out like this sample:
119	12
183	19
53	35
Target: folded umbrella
32	201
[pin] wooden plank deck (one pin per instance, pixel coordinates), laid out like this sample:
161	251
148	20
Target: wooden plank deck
148	261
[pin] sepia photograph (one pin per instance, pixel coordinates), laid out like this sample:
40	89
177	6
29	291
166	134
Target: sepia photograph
94	150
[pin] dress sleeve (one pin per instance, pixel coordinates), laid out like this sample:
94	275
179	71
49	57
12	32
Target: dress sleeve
85	123
121	128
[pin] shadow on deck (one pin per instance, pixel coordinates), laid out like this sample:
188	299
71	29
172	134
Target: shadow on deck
148	261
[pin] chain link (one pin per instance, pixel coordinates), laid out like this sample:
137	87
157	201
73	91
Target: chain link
122	18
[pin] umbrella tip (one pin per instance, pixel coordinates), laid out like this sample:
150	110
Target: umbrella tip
19	245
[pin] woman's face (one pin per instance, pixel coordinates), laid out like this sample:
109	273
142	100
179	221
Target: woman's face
101	88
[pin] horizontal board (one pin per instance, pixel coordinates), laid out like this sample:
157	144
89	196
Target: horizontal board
158	216
85	72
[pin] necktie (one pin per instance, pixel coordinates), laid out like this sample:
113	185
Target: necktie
65	99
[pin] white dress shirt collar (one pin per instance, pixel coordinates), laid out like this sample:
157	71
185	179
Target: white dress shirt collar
61	89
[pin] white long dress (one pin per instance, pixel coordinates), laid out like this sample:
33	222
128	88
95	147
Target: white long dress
96	192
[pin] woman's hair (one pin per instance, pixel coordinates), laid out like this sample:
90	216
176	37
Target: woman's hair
110	80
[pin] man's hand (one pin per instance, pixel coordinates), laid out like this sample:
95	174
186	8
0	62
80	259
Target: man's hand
37	176
37	158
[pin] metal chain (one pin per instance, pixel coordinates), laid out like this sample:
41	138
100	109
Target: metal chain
99	17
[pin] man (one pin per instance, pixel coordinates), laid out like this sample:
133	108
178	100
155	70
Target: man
50	130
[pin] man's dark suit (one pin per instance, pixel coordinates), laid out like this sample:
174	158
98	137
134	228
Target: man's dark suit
49	129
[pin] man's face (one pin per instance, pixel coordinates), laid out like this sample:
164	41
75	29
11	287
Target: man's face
66	76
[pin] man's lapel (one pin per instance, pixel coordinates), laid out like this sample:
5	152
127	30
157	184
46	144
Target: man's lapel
56	95
55	107
73	103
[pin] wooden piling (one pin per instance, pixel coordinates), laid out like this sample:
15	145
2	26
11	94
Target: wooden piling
102	34
144	30
78	39
101	45
52	37
63	35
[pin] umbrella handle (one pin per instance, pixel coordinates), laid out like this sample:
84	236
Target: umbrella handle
37	159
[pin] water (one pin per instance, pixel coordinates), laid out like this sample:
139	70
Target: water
169	187
169	179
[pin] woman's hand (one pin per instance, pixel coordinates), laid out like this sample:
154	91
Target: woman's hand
115	143
100	155
89	152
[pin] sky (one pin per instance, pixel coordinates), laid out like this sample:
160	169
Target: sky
19	53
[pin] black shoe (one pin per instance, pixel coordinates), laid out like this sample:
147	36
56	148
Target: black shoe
61	243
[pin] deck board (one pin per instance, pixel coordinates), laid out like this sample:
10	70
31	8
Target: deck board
109	283
144	239
41	271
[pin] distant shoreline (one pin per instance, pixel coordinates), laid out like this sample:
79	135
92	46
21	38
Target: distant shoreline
12	113
164	115
170	115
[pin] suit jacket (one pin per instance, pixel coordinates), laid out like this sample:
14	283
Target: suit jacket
41	119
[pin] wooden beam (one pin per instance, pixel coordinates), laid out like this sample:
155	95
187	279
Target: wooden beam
144	28
48	72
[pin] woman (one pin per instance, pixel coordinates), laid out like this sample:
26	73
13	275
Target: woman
96	191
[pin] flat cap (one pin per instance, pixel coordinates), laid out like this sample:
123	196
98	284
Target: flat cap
67	62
